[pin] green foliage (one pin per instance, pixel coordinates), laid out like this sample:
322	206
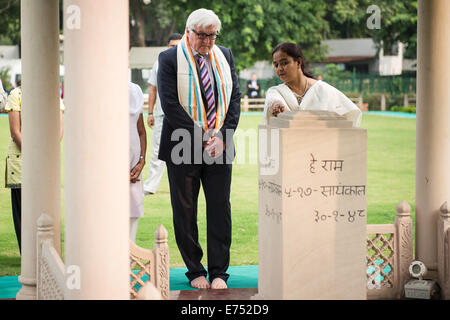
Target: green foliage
374	100
10	21
347	19
6	79
352	94
407	109
332	73
157	21
393	102
398	23
252	28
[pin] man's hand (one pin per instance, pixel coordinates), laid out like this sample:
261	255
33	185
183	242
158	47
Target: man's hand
150	120
152	93
215	147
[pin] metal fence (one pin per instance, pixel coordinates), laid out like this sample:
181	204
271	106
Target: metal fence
357	83
370	83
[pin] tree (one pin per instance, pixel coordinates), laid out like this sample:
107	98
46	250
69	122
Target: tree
398	22
270	23
252	28
137	23
333	72
10	22
151	25
5	78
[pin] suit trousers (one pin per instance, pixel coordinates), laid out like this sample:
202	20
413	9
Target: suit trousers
184	181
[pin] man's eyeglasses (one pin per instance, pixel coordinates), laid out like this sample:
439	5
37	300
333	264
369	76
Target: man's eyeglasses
203	36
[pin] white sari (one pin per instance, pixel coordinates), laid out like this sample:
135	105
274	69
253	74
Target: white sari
321	96
136	102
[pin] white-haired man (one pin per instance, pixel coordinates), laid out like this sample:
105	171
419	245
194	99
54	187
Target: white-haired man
199	92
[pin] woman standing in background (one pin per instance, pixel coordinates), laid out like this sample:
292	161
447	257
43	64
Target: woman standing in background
13	169
138	148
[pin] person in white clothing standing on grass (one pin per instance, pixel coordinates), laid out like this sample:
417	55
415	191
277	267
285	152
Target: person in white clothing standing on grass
155	120
138	148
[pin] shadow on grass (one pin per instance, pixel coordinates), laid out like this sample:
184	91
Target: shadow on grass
9	265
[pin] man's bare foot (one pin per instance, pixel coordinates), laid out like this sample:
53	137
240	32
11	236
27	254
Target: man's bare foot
200	283
218	283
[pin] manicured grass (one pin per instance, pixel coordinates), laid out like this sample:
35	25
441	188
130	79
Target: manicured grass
390	179
390	166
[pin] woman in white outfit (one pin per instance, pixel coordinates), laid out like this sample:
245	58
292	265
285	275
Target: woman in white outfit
300	91
138	147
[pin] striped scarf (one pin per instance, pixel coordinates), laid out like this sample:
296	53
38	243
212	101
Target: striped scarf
189	90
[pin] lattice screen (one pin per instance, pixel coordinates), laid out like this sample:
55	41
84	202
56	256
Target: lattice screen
141	276
380	260
50	290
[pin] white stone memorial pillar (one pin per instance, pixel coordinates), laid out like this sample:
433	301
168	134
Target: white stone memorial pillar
40	131
433	131
312	207
96	149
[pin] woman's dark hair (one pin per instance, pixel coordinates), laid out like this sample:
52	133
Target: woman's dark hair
293	50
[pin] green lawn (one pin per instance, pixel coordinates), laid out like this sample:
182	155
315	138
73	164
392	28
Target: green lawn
390	179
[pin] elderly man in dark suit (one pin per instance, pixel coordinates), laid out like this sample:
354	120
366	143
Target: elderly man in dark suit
200	97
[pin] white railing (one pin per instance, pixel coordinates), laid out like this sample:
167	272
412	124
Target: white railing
154	263
50	268
443	242
252	103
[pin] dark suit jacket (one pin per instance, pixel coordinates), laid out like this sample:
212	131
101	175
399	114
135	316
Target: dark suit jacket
250	90
175	117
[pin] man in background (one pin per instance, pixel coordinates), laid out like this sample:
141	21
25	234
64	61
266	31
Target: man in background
253	87
155	120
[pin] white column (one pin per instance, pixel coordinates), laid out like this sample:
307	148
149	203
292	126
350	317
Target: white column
433	130
40	130
96	149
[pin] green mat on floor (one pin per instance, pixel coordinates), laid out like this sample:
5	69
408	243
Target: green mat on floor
240	277
9	286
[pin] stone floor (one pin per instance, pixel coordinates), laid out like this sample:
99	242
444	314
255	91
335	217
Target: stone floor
210	294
